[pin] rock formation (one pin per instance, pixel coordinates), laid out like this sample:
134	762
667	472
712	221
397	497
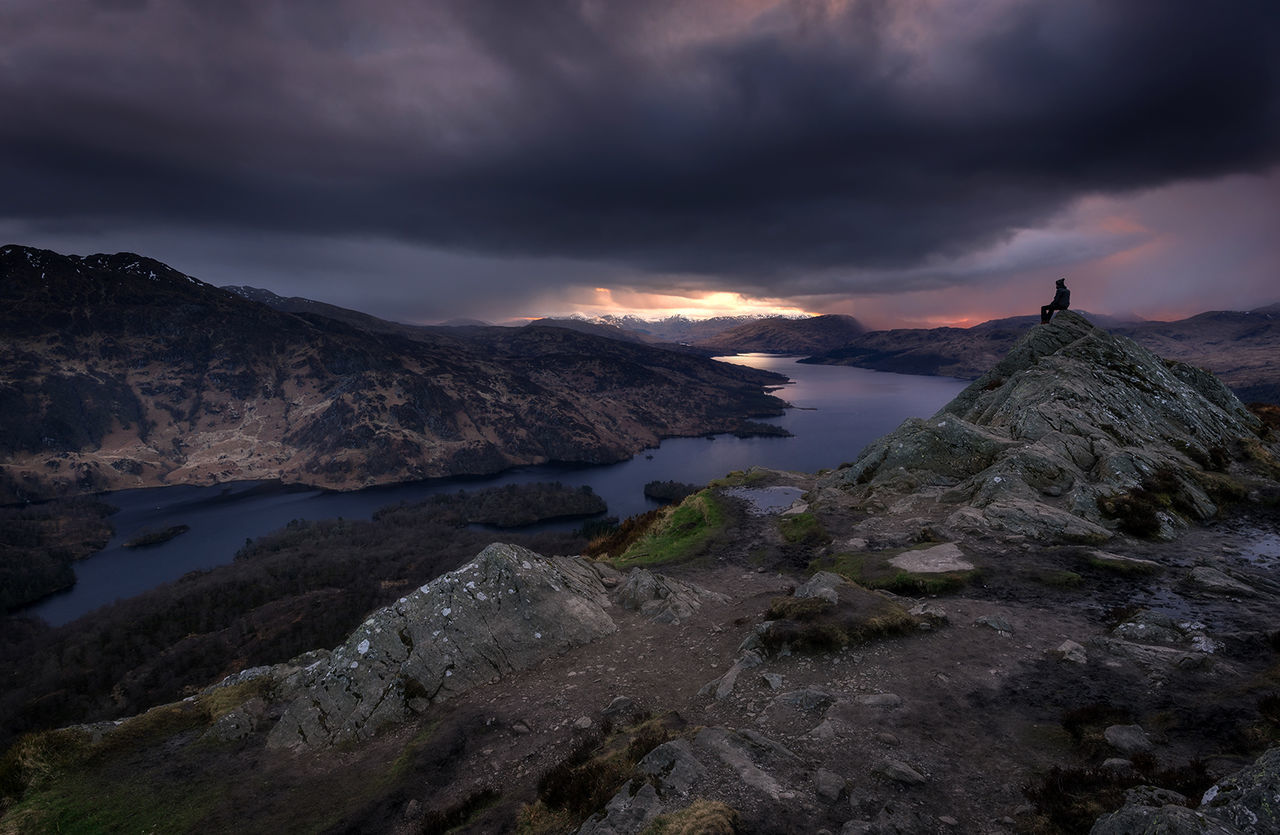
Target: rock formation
504	611
1056	441
1245	803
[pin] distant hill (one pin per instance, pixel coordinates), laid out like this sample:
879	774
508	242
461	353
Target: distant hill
780	335
1242	348
678	329
119	371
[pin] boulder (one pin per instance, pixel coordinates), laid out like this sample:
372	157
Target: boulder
1245	803
660	598
506	610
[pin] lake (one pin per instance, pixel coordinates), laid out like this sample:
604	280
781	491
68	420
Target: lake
839	410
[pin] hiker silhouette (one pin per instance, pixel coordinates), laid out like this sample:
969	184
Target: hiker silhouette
1061	301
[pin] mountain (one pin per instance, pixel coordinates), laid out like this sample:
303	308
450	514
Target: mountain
677	329
118	371
1048	606
778	335
1240	347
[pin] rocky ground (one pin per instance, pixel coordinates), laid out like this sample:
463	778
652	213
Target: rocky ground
1008	618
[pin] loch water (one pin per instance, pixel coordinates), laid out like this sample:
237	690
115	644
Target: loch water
837	411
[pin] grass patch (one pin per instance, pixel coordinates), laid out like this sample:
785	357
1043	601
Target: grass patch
701	817
815	625
874	571
1059	579
93	803
804	530
754	477
439	822
678	533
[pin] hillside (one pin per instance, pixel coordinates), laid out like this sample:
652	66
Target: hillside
1048	607
118	371
1240	347
779	335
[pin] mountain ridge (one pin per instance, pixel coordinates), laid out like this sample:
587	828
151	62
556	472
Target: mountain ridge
122	372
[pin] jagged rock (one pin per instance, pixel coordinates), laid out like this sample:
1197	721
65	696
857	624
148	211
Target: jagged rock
1157	660
1244	803
722	687
626	813
1072	652
939	559
1127	739
622	710
1250	798
678	770
1107	559
807	698
238	722
1213	581
829	786
504	611
1071	416
931	612
663	599
824	585
772	680
734	749
996	622
1148	627
898	772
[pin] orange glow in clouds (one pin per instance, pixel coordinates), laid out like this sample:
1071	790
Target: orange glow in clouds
602	301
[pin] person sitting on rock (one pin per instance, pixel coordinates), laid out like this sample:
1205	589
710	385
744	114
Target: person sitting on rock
1061	301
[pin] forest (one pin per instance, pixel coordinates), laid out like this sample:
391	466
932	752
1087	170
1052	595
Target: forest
299	588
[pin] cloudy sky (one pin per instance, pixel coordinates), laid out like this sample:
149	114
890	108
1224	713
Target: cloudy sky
907	161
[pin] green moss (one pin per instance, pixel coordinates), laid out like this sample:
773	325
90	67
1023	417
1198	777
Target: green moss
678	534
803	529
754	477
93	803
798	608
873	570
1059	579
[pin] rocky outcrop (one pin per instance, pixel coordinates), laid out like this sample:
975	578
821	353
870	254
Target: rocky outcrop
1057	439
506	610
1246	803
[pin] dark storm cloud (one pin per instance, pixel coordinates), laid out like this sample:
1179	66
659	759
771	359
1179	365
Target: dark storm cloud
876	135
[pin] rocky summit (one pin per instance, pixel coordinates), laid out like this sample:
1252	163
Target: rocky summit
1049	608
1063	436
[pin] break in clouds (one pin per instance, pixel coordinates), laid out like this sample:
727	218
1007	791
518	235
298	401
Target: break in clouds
773	148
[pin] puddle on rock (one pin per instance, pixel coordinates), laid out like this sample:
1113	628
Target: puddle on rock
764	501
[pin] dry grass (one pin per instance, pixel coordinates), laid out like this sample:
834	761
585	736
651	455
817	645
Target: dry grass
701	817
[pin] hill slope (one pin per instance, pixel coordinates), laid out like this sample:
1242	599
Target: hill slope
118	371
779	335
1013	681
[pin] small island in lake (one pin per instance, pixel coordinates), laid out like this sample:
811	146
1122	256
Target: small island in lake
146	538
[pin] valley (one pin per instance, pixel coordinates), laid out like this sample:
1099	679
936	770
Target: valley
1004	618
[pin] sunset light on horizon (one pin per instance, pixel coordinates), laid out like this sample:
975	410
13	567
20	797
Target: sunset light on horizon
909	164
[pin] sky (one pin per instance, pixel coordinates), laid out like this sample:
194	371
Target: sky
909	162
